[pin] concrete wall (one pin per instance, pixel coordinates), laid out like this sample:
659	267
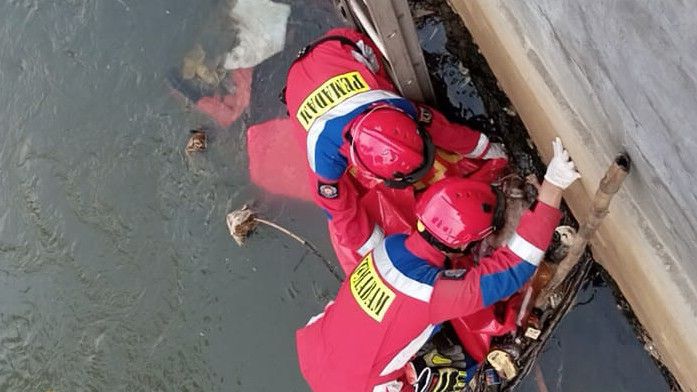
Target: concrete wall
610	76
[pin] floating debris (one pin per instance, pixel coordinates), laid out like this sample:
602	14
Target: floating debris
504	363
193	65
191	62
509	110
241	223
197	141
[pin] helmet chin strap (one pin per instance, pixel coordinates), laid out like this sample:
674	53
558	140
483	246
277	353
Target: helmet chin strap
403	181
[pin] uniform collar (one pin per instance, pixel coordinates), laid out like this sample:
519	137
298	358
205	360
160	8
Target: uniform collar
422	249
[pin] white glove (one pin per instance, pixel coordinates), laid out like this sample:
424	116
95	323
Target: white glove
495	151
561	171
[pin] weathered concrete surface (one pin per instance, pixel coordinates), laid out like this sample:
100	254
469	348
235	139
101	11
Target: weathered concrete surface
610	76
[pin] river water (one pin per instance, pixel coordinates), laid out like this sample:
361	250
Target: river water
116	269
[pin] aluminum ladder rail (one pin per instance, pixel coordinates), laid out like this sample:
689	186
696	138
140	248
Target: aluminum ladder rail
390	24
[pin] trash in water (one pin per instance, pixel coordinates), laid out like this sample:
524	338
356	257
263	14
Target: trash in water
261	32
197	141
241	223
223	96
503	362
226	107
192	60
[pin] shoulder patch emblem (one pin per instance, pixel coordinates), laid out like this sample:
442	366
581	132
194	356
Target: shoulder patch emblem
425	116
453	274
328	191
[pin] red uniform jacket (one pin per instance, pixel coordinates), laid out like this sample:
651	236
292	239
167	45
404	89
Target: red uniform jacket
327	89
397	295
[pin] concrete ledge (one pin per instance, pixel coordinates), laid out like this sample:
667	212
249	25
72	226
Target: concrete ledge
651	277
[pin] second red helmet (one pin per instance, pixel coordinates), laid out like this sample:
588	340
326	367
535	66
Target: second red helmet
457	211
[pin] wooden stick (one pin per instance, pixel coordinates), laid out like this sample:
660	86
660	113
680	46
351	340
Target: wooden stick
609	186
303	241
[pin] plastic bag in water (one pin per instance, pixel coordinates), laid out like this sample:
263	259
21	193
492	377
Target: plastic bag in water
261	32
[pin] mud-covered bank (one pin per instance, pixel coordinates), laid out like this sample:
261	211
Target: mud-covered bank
468	91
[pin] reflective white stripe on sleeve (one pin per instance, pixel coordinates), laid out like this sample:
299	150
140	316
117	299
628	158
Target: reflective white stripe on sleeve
372	241
525	250
401	359
481	147
341	110
397	279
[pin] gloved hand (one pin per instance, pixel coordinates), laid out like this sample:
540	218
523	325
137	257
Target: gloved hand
452	356
443	379
495	151
441	370
561	171
448	379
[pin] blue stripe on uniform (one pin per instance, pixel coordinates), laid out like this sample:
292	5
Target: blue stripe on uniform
407	263
329	163
500	285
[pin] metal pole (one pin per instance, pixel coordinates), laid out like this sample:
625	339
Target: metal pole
390	24
364	20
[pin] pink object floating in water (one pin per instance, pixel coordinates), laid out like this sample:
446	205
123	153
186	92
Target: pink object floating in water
277	161
226	109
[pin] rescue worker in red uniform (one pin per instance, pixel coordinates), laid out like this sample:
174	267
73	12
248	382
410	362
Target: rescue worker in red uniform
339	92
397	296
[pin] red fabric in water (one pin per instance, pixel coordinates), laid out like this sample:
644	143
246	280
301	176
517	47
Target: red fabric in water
277	162
226	109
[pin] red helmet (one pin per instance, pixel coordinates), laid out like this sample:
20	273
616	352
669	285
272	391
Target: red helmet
389	144
456	211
